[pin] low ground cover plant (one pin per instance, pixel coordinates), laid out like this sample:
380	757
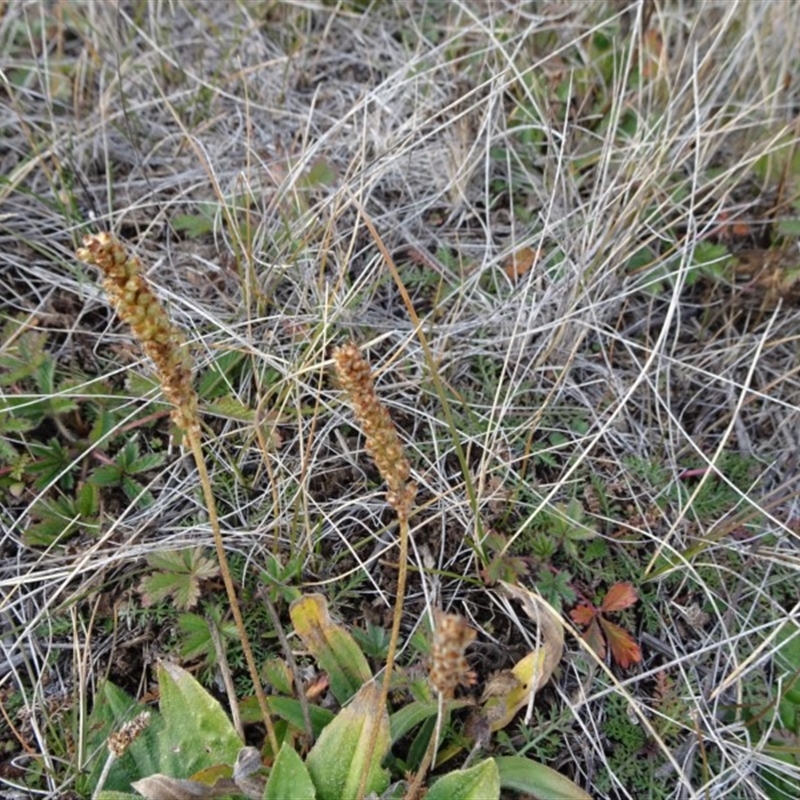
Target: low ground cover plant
399	399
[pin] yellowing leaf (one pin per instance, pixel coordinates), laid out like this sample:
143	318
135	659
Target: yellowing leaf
332	645
164	787
534	670
509	691
550	625
336	762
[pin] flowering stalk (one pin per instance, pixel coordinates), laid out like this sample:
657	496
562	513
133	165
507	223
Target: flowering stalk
384	445
448	669
137	305
118	743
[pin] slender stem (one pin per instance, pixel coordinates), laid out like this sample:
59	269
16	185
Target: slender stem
193	435
137	305
430	753
101	781
402	574
263	594
225	672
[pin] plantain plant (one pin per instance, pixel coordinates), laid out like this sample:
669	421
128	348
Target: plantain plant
190	748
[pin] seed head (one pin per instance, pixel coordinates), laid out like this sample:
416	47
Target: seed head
383	443
449	668
137	305
119	741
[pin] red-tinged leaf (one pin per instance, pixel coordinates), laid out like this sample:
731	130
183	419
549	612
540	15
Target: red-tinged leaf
619	596
583	614
624	649
521	262
594	638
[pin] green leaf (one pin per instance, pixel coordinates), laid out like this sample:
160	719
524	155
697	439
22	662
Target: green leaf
112	707
103	424
193	225
289	709
145	462
230	407
336	761
197	733
196	638
409	716
221	375
191	737
22	358
127	455
9	424
179	575
787	659
334	648
277	672
481	782
52	463
789	228
107	475
321	173
712	259
63	517
87	500
136	493
641	259
780	159
289	778
48	531
279	577
190	560
45	376
374	641
529	777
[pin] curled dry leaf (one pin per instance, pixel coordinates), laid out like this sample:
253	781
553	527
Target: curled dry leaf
164	787
507	692
552	630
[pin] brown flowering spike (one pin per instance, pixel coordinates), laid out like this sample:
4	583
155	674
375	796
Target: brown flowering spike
449	668
138	306
121	740
383	442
